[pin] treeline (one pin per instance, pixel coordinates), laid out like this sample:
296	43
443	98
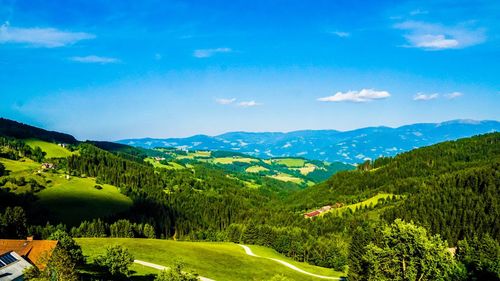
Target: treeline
13	129
121	228
404	251
15	149
456	205
295	242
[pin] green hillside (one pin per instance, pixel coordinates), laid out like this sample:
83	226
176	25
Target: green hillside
52	150
220	261
449	189
59	196
76	199
299	171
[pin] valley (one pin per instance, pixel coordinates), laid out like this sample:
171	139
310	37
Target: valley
298	219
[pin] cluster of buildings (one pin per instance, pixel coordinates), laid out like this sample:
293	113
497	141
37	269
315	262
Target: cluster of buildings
322	210
18	255
158	159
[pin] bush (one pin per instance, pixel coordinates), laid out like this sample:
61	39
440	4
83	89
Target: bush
176	273
117	260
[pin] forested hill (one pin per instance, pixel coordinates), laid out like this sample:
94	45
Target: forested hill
330	145
452	187
10	128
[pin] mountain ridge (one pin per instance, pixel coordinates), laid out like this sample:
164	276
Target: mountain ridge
351	146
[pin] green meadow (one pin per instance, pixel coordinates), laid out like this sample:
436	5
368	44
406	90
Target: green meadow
256	169
77	199
53	150
231	160
221	261
290	162
372	201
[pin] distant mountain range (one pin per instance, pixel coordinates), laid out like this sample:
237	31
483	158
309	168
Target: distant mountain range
329	145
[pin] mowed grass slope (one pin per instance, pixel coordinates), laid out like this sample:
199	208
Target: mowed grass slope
53	150
218	261
71	201
372	201
271	253
22	165
290	162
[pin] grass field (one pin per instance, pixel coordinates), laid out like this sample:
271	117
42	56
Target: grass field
53	150
202	154
171	165
231	160
218	261
256	169
290	162
287	178
271	253
71	201
22	165
370	201
308	168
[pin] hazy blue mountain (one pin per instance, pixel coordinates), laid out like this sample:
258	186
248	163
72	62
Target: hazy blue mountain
350	146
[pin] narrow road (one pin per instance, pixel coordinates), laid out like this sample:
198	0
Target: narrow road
161	267
249	252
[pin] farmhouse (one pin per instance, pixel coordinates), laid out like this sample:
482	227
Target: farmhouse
47	166
312	214
63	145
322	210
18	255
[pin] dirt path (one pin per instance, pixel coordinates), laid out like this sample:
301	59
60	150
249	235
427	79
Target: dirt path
161	267
249	252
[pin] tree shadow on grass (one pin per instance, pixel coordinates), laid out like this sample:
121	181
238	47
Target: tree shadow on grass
95	272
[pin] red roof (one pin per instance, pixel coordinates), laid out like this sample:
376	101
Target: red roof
35	251
312	214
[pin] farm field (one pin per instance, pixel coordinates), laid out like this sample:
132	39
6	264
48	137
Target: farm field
295	170
221	261
18	166
370	201
256	169
287	177
231	160
53	150
290	162
171	165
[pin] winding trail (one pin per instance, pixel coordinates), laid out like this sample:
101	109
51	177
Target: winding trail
161	267
249	252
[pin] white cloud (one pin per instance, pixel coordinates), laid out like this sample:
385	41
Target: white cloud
206	53
225	101
425	97
453	95
428	41
429	36
95	59
40	37
341	34
364	95
248	104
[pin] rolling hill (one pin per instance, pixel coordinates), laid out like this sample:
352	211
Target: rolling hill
220	260
329	145
288	169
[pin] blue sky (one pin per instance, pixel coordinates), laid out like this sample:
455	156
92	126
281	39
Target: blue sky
118	69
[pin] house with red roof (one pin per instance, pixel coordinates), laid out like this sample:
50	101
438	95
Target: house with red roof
18	255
